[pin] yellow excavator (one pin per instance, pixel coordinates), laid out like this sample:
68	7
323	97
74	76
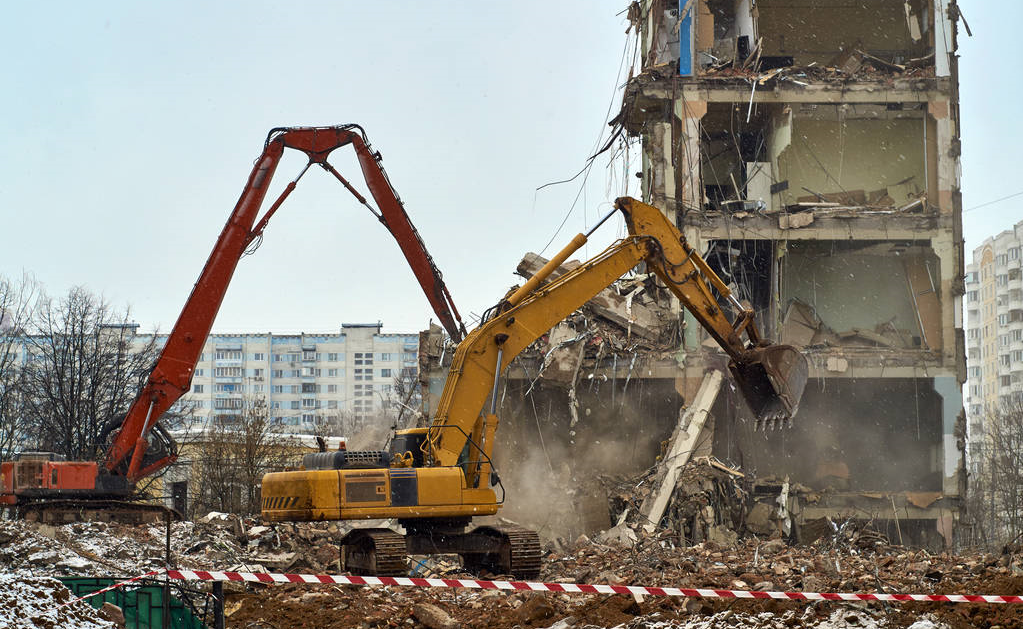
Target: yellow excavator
434	480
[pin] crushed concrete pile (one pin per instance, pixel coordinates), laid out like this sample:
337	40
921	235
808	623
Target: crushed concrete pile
40	602
848	560
658	559
216	542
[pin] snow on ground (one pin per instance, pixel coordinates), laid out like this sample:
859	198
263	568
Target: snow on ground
36	602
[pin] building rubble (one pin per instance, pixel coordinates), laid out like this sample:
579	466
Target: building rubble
710	537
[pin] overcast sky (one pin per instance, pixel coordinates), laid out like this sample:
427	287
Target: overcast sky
130	129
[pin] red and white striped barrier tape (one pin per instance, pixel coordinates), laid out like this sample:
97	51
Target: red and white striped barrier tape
277	577
113	586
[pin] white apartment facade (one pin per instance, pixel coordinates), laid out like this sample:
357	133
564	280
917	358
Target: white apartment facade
303	378
994	326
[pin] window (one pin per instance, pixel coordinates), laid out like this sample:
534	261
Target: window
228	372
331	403
1003	319
332	357
230	403
386	388
227	388
363	374
971	295
229	355
202	357
331	388
259	356
1014	253
363	358
200	372
1001	259
196	388
295	373
385	373
294	405
385	357
308	403
307	418
308	388
308	354
278	373
332	373
296	388
279	358
1017	335
278	388
408	357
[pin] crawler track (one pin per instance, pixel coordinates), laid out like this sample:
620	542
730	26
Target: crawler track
376	552
124	511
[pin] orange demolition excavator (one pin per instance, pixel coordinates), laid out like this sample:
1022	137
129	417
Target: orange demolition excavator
43	484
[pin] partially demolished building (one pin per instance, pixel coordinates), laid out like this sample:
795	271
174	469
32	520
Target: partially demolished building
810	148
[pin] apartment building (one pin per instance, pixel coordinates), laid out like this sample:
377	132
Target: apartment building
994	332
304	379
811	149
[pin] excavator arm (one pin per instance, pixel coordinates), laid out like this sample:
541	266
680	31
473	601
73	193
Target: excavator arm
770	377
172	375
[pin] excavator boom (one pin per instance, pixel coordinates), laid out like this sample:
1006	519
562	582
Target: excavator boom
434	480
133	453
770	377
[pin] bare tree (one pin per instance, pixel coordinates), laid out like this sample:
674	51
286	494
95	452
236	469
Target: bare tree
85	368
16	302
996	487
407	397
231	457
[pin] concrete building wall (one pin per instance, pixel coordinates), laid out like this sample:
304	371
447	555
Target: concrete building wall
815	159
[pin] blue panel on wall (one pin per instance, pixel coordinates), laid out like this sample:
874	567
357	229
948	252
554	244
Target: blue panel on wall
685	41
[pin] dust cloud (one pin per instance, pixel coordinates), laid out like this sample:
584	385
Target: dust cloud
551	469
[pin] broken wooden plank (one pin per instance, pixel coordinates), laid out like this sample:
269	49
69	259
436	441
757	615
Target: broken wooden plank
683	442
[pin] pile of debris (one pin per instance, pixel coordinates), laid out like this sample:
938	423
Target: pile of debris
217	541
626	316
44	602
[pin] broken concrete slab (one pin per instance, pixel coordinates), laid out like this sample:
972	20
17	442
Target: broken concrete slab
683	443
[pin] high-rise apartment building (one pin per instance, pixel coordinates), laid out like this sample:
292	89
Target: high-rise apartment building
303	379
994	332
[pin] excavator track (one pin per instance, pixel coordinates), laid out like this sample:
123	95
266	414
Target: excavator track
517	552
123	511
375	552
525	551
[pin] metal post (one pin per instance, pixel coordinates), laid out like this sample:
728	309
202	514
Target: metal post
166	576
218	605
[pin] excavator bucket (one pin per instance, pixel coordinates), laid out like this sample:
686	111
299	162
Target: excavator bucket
771	379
